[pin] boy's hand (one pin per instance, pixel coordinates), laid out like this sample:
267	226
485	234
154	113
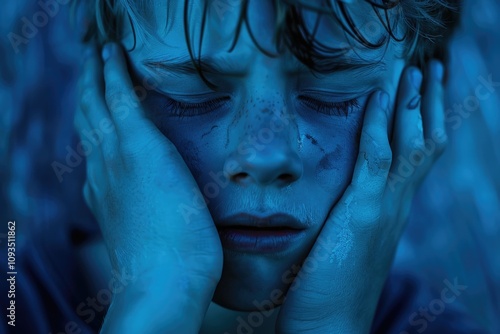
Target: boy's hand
137	186
339	285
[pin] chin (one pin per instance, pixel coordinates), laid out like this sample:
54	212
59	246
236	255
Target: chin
256	282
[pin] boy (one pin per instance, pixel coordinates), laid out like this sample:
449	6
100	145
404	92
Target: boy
259	163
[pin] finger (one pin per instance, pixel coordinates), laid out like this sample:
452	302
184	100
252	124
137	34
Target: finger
408	138
121	99
408	127
84	146
433	112
100	132
96	138
433	119
375	155
94	166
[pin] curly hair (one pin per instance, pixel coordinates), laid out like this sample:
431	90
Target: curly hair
425	25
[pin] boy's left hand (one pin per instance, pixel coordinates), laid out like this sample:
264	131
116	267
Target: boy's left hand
339	284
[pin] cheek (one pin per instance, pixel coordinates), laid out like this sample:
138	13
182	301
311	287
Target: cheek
196	143
335	167
331	161
190	152
198	139
334	163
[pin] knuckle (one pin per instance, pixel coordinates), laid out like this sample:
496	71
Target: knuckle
131	154
380	159
113	96
384	155
148	141
113	93
129	148
377	153
117	98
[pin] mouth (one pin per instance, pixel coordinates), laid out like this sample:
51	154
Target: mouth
253	234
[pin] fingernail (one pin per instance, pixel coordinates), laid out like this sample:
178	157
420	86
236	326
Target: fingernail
438	70
414	103
383	98
107	50
416	78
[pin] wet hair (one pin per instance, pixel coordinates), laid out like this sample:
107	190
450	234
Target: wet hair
426	24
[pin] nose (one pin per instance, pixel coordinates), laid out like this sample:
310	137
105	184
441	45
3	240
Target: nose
267	155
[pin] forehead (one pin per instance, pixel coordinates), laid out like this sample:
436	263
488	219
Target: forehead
170	23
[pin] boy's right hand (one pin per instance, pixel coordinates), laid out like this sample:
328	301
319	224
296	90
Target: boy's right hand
139	190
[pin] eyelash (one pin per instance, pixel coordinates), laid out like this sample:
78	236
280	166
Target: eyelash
184	109
343	108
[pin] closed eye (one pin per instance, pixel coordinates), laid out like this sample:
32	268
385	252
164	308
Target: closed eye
189	109
342	108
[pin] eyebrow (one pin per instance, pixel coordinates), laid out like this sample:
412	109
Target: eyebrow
339	60
184	65
335	65
222	65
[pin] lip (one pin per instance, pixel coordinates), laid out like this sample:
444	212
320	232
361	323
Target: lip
275	220
260	234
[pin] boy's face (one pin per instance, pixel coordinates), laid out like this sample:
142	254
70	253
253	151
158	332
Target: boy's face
286	139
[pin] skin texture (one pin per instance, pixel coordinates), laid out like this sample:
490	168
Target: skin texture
331	172
317	150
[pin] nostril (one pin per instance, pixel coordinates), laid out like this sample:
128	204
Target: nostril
287	178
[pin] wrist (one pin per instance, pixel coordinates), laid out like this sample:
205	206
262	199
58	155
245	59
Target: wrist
351	312
158	304
140	317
